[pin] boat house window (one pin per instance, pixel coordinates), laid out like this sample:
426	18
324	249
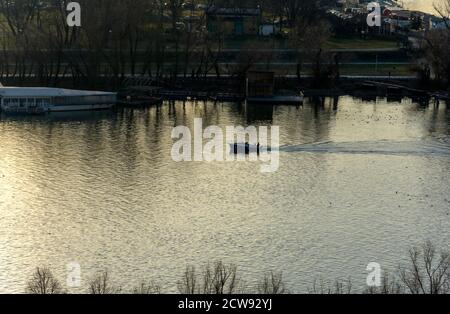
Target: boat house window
12	101
41	101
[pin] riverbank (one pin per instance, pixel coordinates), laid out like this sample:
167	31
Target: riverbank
232	88
149	91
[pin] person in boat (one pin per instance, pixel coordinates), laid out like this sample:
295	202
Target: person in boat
247	148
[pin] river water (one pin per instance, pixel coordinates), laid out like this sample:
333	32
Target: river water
359	182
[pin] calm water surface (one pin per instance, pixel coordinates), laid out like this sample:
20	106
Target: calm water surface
359	182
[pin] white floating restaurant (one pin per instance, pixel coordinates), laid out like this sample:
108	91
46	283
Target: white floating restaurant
36	100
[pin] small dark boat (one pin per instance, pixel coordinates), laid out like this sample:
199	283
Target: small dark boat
240	148
247	149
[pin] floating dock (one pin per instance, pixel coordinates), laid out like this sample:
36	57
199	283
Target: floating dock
260	89
276	99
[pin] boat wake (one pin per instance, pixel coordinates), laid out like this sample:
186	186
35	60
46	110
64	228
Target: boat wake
435	148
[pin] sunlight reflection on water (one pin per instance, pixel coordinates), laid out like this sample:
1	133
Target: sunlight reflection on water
101	189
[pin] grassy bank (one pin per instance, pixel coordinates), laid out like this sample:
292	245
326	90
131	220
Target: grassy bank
359	43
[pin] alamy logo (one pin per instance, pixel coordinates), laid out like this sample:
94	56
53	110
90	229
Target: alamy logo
374	16
74	17
374	277
74	275
235	144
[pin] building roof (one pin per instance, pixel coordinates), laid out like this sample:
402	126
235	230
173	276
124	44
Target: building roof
393	8
47	92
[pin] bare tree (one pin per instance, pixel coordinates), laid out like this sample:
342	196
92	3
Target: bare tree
101	285
18	19
188	284
443	9
429	271
339	287
388	286
437	47
43	282
195	36
147	288
309	40
216	279
221	279
272	283
437	52
18	14
295	9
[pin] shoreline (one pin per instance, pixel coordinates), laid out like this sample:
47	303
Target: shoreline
220	89
226	88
